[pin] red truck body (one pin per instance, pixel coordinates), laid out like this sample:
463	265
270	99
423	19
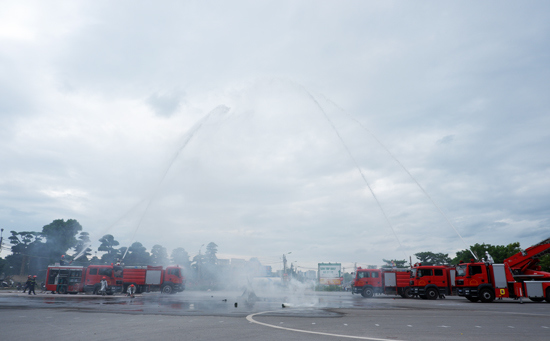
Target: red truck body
154	278
518	277
432	281
368	282
75	279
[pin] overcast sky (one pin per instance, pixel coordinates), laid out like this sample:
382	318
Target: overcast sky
271	127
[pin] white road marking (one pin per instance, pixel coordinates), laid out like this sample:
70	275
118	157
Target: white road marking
478	326
376	324
545	327
511	327
444	326
409	325
251	319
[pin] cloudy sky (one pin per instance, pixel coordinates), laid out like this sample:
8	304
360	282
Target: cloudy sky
339	131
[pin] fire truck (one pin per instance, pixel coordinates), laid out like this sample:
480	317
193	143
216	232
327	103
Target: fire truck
519	276
368	282
74	279
154	278
432	281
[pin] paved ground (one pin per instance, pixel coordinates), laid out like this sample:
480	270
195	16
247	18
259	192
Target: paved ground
229	316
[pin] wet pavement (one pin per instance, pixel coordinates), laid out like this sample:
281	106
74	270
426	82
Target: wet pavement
288	315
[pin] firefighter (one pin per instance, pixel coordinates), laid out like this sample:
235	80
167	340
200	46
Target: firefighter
62	260
131	290
27	283
104	286
32	285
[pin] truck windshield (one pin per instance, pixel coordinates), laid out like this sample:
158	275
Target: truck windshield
461	270
118	271
413	273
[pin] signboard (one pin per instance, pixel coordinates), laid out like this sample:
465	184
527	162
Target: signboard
330	273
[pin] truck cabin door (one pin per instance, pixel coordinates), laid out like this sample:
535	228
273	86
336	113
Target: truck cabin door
477	274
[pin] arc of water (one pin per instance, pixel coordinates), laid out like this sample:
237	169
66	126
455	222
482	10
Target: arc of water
358	168
220	110
407	171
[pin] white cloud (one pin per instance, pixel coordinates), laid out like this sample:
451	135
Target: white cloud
97	98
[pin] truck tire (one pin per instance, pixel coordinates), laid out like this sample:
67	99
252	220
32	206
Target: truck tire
432	294
472	299
486	295
367	292
167	289
62	290
406	293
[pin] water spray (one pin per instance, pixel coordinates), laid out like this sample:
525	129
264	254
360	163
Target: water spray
405	169
218	111
358	168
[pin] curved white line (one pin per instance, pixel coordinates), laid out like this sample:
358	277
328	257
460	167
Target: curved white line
251	319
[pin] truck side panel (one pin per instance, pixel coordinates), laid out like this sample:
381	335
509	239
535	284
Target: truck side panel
153	277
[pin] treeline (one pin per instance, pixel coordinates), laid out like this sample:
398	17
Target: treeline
498	252
32	252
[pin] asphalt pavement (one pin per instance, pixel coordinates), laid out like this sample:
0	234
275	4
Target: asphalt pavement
287	315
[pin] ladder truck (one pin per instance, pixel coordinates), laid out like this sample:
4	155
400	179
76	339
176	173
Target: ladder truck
519	276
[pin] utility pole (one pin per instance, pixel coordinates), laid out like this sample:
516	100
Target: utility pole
1	239
284	264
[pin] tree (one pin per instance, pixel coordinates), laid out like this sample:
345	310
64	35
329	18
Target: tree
210	254
180	256
82	250
28	252
394	263
60	236
498	252
430	258
108	244
137	255
545	263
159	255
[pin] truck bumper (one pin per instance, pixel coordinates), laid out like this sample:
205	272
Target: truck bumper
418	291
356	290
472	292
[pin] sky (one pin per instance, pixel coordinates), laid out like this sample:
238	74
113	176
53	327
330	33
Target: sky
328	131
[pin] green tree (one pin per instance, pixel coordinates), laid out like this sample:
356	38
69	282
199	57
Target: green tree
60	236
137	255
82	250
430	258
545	263
390	263
108	244
498	252
210	254
159	255
28	252
181	257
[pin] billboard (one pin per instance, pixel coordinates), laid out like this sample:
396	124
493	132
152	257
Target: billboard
330	273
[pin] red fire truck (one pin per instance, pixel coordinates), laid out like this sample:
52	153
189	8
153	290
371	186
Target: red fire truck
154	278
519	276
432	281
368	282
75	279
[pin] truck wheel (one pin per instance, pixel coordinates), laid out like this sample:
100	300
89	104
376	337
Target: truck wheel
167	289
432	294
486	296
536	299
62	290
367	292
472	299
406	293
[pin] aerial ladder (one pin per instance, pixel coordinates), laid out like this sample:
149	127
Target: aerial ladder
524	264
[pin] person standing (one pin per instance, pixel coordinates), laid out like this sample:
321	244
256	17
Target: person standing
104	286
27	283
62	260
32	285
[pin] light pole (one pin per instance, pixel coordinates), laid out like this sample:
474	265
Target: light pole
1	238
